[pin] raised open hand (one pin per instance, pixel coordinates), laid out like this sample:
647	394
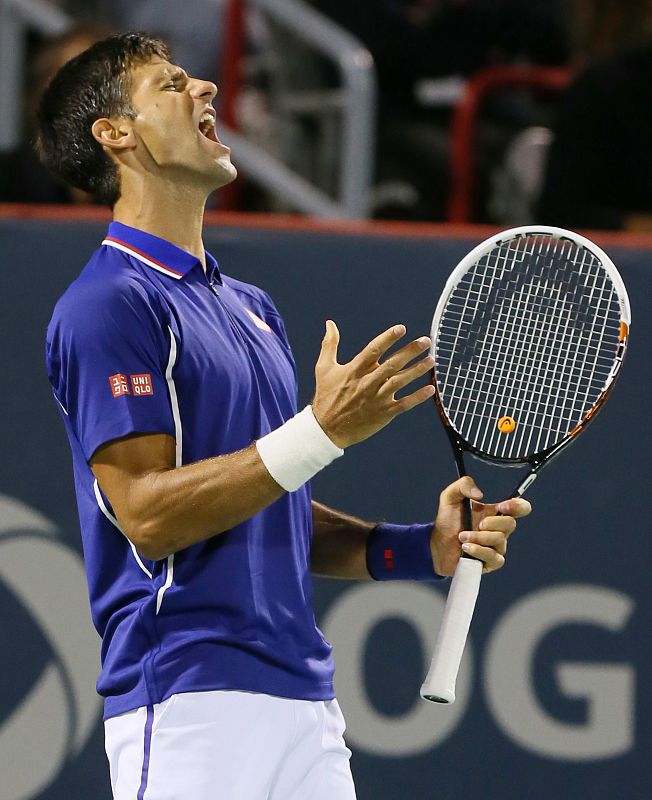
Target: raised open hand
355	400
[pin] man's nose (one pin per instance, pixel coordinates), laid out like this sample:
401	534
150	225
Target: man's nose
203	89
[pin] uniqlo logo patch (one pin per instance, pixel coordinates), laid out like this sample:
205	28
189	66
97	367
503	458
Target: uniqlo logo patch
118	384
142	385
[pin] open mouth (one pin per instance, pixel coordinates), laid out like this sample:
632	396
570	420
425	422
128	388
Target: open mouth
207	127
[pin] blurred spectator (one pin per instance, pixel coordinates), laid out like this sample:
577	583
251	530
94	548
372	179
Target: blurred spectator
413	41
192	30
599	170
23	179
604	28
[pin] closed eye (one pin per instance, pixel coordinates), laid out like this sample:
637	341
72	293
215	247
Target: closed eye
175	82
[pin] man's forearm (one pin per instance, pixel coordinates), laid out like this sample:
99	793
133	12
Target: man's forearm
199	500
339	545
167	509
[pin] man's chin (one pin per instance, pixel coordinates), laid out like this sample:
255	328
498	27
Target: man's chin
228	169
225	174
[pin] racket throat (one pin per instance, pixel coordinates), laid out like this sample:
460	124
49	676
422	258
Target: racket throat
524	485
467	513
536	465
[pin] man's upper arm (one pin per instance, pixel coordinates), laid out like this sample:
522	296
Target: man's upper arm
108	356
121	465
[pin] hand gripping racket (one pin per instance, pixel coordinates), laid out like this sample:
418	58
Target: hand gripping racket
528	337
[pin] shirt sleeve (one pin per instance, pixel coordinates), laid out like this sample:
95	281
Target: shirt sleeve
270	314
110	357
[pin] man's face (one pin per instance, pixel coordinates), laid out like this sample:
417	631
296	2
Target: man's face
175	126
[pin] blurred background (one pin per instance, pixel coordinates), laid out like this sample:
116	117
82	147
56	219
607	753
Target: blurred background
377	141
484	111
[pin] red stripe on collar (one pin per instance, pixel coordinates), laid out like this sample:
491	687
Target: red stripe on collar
146	256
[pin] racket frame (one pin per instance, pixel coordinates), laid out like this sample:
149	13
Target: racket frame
439	685
536	462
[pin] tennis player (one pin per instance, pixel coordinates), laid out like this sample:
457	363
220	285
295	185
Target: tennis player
192	465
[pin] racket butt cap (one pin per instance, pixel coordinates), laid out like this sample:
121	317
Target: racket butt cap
444	698
439	685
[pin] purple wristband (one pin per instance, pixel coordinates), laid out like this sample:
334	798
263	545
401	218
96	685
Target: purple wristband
400	553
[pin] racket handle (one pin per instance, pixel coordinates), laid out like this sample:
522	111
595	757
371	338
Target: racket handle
439	685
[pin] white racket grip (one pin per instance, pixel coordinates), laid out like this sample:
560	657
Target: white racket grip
439	685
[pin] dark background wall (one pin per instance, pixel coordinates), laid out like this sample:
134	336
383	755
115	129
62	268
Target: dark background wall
554	698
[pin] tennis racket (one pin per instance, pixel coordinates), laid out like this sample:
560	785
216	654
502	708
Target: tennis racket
528	338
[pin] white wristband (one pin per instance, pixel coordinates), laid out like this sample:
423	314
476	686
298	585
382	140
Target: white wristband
297	450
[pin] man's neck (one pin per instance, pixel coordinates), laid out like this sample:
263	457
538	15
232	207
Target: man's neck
171	212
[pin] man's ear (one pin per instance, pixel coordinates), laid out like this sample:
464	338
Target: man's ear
116	135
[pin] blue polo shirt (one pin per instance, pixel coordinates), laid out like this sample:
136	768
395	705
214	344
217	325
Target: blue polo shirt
145	341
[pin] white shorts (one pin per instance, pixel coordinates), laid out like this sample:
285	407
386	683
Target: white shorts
229	745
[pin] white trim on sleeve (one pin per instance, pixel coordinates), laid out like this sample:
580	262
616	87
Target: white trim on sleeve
178	435
114	521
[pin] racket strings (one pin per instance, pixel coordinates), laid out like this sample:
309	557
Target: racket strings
592	378
547	345
510	366
530	332
492	347
535	358
534	349
540	347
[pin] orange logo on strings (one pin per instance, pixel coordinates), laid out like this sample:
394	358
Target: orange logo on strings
506	424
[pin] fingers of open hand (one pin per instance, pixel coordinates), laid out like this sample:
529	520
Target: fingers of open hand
369	356
394	363
330	342
412	400
406	376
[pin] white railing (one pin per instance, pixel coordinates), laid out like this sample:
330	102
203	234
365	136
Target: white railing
16	18
356	101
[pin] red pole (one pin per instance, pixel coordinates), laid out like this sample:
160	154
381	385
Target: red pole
463	127
230	69
230	82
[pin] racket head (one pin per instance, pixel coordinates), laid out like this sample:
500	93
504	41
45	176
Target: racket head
528	337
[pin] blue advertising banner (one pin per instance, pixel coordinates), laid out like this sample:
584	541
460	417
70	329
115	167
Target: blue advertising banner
553	697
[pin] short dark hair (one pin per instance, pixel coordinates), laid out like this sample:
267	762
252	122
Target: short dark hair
94	84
